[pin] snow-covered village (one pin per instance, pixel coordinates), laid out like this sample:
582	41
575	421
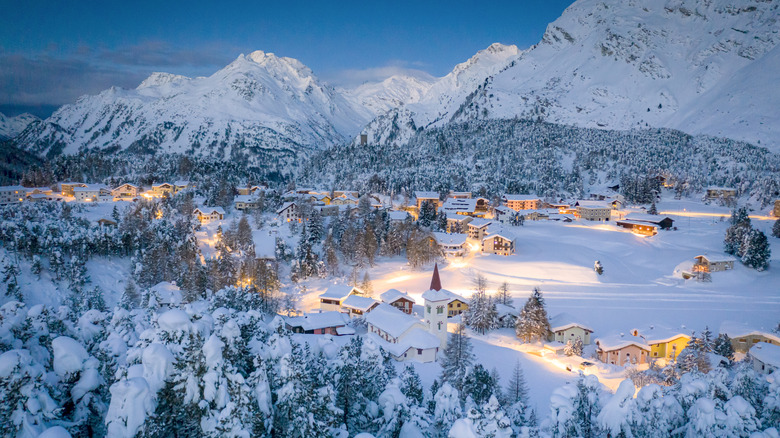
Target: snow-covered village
574	236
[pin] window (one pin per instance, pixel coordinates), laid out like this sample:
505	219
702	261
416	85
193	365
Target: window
428	309
419	351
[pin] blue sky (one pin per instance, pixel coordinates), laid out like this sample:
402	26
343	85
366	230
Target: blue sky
51	52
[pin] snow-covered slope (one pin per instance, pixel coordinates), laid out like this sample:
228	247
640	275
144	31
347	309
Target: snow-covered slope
393	92
699	66
258	102
10	127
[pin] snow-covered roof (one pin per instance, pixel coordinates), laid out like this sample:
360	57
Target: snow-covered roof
441	295
636	222
617	342
643	217
359	302
592	204
12	188
90	188
426	195
509	197
246	199
450	239
338	292
397	215
504	310
455	205
168	293
391	320
416	338
738	330
314	321
717	257
394	295
126	185
209	210
265	245
504	209
565	321
480	222
162	184
661	335
767	353
284	207
181	183
498	230
721	189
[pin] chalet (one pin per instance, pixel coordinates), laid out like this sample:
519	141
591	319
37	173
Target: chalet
564	328
593	210
498	241
92	193
557	206
208	214
521	202
713	263
265	246
403	336
39	191
324	323
399	300
455	206
246	202
662	222
289	212
477	228
159	190
332	298
743	338
67	188
622	350
431	197
664	343
503	214
345	199
725	193
458	224
180	185
352	193
126	191
765	358
453	245
637	227
320	198
357	305
776	210
12	194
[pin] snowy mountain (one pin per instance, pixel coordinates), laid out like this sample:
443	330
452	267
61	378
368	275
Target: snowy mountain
393	92
699	66
258	103
10	127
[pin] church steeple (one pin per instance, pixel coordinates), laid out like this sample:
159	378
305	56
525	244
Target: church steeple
435	280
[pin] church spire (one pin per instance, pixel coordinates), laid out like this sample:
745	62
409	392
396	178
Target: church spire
435	280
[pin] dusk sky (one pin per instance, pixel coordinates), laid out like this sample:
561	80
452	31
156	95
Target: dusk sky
52	52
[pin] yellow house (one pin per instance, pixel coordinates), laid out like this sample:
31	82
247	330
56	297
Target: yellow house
456	307
664	343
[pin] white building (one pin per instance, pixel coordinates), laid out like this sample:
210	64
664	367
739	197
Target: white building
265	245
452	245
324	323
11	194
208	214
358	305
332	298
593	210
92	193
289	212
403	336
246	202
564	327
436	300
765	357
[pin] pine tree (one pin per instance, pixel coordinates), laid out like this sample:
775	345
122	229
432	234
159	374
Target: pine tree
653	209
735	234
755	250
447	410
598	267
37	267
502	294
478	385
10	272
722	346
366	286
411	385
457	359
330	256
533	324
776	229
441	222
427	214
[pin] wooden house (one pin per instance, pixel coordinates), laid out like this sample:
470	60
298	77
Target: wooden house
126	190
162	189
399	300
209	214
636	227
662	222
452	245
713	263
724	193
357	305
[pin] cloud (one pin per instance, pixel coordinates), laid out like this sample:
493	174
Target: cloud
353	77
161	54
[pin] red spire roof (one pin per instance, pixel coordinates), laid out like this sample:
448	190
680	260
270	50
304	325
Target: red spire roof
435	280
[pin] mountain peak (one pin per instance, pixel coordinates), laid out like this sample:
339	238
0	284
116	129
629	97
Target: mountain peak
160	78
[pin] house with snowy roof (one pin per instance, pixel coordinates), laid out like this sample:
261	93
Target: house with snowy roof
180	185
452	245
289	212
622	350
503	214
246	202
453	303
162	188
67	187
332	298
725	193
713	263
324	323
432	197
209	214
126	190
92	193
497	240
166	294
397	215
345	199
765	357
743	337
521	202
477	228
403	336
593	210
250	190
265	246
638	227
565	327
458	224
662	222
358	305
399	300
664	343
